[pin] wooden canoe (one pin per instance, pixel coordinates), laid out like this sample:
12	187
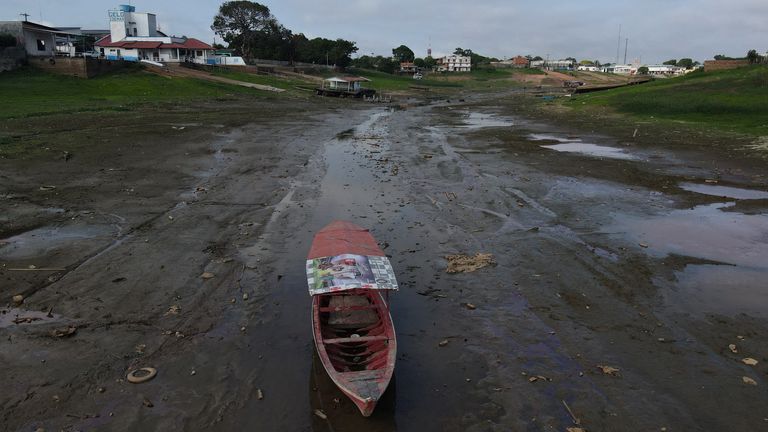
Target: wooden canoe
353	331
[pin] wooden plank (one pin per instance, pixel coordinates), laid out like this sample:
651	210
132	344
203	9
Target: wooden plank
357	339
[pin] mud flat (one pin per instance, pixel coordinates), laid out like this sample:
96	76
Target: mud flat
619	282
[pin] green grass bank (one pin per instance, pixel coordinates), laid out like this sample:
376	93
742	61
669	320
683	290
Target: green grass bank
731	100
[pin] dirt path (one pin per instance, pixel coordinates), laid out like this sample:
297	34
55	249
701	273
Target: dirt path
607	254
180	71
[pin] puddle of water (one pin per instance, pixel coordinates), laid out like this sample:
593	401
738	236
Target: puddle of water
43	240
722	289
709	232
705	232
549	137
19	317
592	150
725	191
474	120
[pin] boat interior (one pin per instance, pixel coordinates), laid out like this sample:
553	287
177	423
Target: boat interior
353	330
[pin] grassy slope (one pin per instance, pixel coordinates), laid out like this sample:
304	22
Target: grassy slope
279	82
29	92
732	100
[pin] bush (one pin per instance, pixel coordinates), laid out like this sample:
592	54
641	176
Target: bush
7	40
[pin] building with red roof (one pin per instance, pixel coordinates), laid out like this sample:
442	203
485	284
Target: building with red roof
134	37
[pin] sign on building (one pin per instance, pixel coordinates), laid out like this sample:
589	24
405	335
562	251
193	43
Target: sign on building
116	15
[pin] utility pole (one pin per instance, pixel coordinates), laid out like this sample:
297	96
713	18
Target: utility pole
25	15
626	42
618	45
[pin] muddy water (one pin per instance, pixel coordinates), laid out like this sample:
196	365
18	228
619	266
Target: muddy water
591	150
735	242
354	184
725	191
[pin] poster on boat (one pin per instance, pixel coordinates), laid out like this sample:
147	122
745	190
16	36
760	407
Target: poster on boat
346	272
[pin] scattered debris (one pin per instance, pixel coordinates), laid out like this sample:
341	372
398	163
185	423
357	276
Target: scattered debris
18	299
643	245
173	310
140	348
733	349
443	343
259	394
575	429
25	320
468	264
575	419
609	370
321	414
470	306
748	380
749	361
63	332
245	296
118	280
148	403
141	375
207	275
538	378
47	188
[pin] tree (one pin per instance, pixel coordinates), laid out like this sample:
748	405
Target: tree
642	70
403	54
685	62
238	21
671	62
420	63
537	58
429	62
753	56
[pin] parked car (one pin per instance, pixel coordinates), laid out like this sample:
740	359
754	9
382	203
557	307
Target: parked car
418	76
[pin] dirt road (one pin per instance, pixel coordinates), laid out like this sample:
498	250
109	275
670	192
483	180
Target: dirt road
183	243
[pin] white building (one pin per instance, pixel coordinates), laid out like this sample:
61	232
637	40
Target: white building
454	63
589	68
665	70
134	37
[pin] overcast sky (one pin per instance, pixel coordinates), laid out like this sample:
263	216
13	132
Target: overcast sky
588	29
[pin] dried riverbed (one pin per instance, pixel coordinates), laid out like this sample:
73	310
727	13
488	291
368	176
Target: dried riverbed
180	245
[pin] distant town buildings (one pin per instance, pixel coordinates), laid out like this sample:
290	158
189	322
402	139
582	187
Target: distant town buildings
518	62
454	63
566	64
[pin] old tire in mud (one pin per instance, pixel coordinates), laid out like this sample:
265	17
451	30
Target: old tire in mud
141	375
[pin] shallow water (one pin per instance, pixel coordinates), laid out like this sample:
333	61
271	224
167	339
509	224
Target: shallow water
709	232
550	137
592	150
39	241
725	191
722	289
475	120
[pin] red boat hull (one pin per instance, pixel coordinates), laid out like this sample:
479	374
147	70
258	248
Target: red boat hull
353	330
